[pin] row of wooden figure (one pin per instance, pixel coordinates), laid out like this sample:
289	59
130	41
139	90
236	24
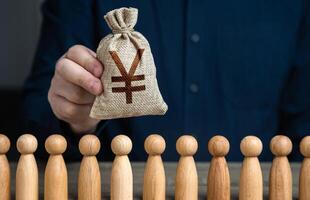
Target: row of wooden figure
186	181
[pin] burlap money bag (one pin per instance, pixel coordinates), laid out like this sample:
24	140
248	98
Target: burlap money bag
129	77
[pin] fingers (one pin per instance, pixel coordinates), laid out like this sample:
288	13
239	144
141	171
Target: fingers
85	58
71	92
77	75
68	111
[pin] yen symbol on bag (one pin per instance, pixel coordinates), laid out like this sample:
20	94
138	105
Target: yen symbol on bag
127	77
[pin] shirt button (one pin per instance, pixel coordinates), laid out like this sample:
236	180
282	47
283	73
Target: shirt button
195	37
193	88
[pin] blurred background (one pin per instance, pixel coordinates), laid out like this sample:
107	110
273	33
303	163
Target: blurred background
20	22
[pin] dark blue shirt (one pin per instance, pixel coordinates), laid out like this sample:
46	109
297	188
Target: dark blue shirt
224	67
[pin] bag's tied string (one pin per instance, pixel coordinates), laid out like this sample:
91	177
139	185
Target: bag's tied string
122	31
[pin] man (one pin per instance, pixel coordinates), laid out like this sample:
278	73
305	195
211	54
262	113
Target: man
233	68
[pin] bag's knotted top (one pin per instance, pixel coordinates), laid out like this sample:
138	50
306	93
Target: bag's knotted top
122	20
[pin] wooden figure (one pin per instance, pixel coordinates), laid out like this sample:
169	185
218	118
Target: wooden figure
218	185
4	168
121	174
56	177
280	179
304	177
251	178
186	180
27	170
89	182
154	184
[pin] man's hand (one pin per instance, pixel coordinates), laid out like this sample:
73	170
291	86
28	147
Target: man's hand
74	86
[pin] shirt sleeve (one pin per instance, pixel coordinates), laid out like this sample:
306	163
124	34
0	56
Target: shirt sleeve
65	23
295	108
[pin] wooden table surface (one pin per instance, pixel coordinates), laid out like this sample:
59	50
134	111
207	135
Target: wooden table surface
170	170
